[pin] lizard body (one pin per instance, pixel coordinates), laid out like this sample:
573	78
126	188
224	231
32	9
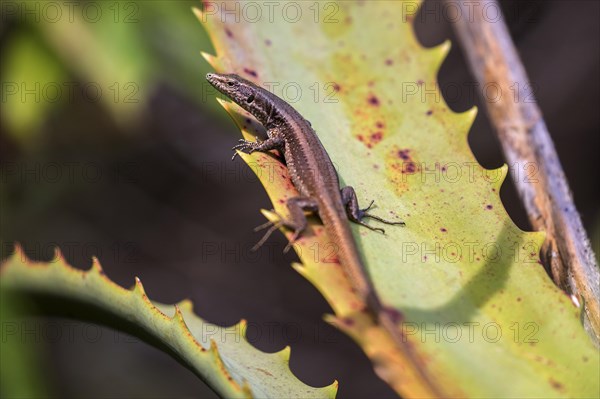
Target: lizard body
312	173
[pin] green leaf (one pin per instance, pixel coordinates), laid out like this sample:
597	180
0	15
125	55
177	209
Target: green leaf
29	86
481	318
221	356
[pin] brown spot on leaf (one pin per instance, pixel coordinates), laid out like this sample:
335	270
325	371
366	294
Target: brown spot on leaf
443	230
556	385
429	112
336	87
489	206
228	32
389	61
263	371
268	42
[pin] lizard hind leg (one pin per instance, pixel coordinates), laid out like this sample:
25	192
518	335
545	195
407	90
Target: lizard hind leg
356	214
296	222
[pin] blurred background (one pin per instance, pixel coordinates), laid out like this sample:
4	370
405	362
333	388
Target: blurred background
112	144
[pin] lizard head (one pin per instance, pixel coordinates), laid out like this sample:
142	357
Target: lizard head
252	98
240	90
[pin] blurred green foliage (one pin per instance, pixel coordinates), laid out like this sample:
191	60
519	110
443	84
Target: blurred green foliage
112	53
20	370
56	55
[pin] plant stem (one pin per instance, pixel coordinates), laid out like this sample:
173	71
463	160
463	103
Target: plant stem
526	143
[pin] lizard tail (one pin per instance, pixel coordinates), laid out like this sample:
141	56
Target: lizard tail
388	318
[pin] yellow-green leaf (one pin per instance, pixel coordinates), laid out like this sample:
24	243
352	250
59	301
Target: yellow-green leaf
480	316
221	356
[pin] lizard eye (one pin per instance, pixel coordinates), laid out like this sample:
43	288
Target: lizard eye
250	99
230	83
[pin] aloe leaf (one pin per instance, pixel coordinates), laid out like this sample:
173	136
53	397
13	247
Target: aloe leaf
221	356
480	316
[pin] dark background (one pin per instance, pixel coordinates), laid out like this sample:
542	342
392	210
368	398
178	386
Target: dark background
171	208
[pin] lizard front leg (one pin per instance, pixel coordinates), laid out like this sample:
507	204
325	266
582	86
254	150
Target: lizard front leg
296	222
356	214
274	142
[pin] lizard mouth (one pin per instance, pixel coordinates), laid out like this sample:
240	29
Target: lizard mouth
213	79
218	82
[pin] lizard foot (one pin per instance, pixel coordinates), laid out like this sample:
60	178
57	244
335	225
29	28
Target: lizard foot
363	213
245	146
272	226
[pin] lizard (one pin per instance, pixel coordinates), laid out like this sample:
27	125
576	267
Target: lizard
316	180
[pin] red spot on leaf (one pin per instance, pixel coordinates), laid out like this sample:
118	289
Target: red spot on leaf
394	314
379	125
251	72
429	112
443	230
409	168
376	137
489	206
337	87
404	154
228	32
389	61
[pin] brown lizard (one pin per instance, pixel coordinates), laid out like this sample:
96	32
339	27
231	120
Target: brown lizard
313	175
